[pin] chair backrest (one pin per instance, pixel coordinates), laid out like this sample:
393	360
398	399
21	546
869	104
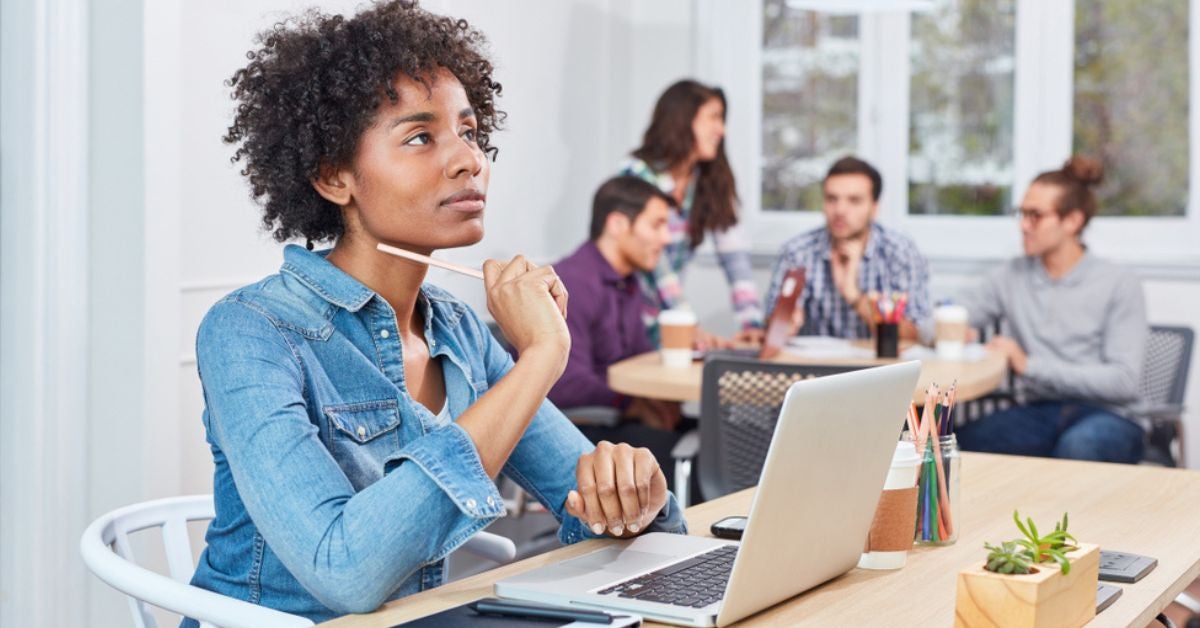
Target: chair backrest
740	402
1165	370
107	552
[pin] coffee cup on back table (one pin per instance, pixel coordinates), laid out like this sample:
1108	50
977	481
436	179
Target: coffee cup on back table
950	331
677	331
889	540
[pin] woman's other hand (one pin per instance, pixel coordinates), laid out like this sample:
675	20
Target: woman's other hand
620	490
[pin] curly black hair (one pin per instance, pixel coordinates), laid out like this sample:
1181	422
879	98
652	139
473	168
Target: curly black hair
313	87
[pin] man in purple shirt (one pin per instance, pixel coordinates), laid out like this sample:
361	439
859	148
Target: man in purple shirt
628	233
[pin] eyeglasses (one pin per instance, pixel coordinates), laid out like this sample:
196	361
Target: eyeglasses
1033	216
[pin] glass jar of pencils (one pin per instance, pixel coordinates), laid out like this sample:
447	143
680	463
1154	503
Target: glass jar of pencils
937	490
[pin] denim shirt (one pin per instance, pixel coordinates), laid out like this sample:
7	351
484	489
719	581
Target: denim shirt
335	490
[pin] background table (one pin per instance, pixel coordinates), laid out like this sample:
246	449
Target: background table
645	376
1139	509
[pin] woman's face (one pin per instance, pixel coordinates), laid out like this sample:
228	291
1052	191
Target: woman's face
419	179
708	129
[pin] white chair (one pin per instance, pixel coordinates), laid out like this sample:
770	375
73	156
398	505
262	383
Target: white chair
106	551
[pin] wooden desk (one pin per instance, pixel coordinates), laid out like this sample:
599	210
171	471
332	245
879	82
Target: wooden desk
645	376
1145	510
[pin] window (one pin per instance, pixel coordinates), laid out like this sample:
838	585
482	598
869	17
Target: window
960	152
1131	102
960	104
810	101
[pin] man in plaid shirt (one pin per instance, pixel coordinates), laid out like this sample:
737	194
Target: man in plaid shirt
851	256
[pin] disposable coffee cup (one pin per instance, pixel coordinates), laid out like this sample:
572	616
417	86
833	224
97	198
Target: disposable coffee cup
950	331
890	537
677	332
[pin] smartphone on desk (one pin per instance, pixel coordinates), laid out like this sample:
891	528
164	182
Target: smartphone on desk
729	528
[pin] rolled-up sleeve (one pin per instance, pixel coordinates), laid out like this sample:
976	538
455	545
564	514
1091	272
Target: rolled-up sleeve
449	457
733	254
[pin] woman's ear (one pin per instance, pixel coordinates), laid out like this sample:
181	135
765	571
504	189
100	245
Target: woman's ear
334	185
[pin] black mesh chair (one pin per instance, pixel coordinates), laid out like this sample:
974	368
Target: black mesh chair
1163	385
739	406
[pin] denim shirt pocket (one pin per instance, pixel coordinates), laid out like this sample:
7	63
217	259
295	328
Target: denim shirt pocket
362	436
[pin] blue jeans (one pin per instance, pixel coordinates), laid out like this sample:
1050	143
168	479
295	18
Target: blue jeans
1056	429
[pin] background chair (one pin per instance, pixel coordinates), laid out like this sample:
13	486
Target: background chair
739	406
1161	391
107	552
1000	399
1162	388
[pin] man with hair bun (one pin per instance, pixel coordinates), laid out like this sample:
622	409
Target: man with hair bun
1073	331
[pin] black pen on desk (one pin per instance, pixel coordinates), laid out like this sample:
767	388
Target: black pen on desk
518	609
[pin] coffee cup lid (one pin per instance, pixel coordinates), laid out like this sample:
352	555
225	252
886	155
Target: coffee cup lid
676	317
950	313
905	455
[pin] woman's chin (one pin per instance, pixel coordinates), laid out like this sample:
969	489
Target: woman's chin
464	235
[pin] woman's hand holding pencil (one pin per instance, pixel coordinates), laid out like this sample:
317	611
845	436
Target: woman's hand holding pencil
528	301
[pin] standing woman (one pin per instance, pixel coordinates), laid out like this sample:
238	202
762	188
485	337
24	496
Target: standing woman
358	416
683	153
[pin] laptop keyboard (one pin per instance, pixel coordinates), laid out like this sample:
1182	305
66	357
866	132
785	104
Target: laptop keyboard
695	582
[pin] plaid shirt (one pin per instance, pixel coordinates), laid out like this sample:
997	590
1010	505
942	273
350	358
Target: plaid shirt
891	262
663	288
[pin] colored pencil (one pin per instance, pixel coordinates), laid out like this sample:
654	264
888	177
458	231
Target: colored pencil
425	259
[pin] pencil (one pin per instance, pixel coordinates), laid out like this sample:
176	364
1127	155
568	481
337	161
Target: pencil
425	259
941	488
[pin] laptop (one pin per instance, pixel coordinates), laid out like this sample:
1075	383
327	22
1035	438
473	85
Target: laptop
808	522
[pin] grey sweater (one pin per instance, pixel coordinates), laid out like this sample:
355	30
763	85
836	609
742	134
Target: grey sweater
1085	333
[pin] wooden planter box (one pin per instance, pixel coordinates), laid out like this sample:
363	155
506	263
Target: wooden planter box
1043	599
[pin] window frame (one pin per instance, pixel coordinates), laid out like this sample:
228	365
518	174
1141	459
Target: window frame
728	39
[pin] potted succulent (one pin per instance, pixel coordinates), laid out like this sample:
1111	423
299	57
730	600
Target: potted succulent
1033	580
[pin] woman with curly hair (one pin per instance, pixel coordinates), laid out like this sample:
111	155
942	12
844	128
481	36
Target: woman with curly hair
358	416
683	153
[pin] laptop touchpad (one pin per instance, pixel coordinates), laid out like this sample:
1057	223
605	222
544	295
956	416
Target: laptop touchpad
618	559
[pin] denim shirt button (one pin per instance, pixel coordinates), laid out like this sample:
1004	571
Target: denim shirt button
491	502
471	504
384	334
362	432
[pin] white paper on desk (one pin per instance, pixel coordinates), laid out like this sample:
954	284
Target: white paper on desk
973	352
827	347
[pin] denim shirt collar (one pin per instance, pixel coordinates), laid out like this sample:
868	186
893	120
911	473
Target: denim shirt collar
313	270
